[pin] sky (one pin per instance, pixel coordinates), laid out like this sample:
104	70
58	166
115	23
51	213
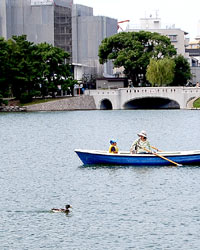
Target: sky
183	14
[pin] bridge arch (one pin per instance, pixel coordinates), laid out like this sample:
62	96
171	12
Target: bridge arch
106	104
151	103
191	100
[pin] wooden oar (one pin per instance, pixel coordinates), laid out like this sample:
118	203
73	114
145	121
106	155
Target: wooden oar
157	149
175	163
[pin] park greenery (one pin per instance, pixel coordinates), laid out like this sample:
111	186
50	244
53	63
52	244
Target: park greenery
28	70
138	51
197	103
182	71
160	71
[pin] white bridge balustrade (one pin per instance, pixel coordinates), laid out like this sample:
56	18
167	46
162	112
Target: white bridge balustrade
147	97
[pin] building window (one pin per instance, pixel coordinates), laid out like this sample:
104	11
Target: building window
173	38
63	28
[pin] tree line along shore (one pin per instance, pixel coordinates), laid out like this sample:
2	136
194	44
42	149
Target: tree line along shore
29	70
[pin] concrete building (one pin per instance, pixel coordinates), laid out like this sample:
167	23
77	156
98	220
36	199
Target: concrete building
88	32
194	53
41	20
62	24
111	83
193	49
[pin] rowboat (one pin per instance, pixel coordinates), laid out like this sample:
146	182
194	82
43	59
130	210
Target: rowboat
125	158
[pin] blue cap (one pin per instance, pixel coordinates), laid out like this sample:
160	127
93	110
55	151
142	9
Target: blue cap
113	141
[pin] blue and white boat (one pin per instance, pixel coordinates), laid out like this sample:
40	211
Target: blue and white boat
125	158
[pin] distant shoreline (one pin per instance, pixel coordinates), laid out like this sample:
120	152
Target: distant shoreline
76	103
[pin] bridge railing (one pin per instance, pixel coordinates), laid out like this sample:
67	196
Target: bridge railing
143	90
160	90
101	92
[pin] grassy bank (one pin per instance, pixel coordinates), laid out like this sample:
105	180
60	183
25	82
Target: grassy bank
197	103
38	101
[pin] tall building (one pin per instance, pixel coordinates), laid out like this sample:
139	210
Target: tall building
88	32
62	24
3	23
50	21
41	20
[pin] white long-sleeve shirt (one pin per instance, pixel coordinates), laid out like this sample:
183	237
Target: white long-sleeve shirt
139	145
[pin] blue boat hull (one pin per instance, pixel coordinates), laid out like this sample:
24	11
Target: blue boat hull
91	157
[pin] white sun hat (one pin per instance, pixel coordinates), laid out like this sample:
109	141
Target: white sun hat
142	133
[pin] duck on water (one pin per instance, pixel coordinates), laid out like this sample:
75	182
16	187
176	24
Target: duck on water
61	210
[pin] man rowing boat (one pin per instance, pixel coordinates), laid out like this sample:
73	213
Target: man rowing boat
141	145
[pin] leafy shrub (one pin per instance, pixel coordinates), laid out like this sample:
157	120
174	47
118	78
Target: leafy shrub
3	101
25	98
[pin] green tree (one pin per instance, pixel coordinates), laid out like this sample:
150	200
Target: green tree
133	51
23	66
55	69
29	70
160	72
4	85
182	72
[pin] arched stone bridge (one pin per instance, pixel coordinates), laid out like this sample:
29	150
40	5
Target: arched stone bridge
145	98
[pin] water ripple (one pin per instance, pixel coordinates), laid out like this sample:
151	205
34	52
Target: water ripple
114	207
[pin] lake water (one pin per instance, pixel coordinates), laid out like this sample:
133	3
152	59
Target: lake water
113	207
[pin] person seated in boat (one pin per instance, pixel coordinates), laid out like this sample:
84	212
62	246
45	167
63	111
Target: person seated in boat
141	145
61	210
113	147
